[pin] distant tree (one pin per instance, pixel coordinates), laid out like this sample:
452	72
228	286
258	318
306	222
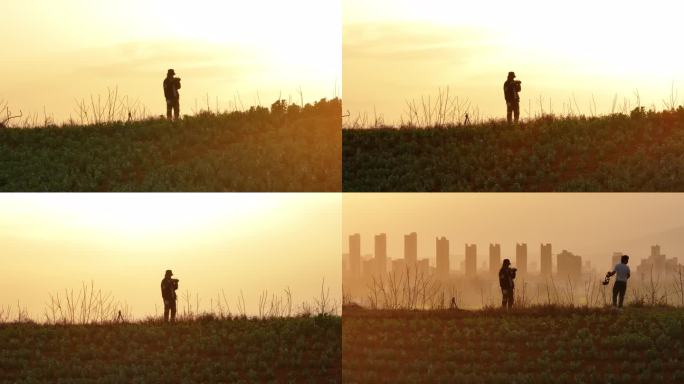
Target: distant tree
279	108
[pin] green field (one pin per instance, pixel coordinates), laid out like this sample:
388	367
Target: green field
284	350
640	152
534	345
287	148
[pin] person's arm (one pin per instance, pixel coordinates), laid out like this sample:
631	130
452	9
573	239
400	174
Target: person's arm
611	273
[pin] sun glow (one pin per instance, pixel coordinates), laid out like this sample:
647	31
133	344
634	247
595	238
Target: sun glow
148	216
559	50
240	242
258	49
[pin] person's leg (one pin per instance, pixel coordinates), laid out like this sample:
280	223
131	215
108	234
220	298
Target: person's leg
511	293
616	289
173	311
623	290
509	112
166	311
176	109
169	107
516	111
504	298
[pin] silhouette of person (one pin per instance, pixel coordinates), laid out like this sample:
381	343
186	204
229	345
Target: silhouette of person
168	290
506	277
511	88
453	304
620	286
171	86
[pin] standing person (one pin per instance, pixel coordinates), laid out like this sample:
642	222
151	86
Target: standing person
511	88
622	272
168	290
506	277
171	86
453	304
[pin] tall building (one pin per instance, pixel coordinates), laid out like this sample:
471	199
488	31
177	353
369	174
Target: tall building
470	260
521	258
411	249
546	260
442	256
494	258
423	267
355	254
368	267
657	264
569	265
399	267
381	253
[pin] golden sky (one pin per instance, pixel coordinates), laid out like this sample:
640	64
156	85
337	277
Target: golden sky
593	225
125	242
398	50
58	51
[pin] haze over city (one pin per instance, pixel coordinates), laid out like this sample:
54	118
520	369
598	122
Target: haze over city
590	225
249	51
584	54
212	242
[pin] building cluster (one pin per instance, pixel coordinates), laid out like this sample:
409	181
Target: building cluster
567	263
656	264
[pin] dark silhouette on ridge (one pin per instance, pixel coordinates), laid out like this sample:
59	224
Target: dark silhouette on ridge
506	277
171	86
511	88
620	286
168	290
453	304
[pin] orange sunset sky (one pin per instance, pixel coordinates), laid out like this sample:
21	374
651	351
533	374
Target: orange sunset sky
58	51
577	52
124	243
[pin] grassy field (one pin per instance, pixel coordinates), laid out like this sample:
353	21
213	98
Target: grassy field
287	148
640	152
284	350
533	345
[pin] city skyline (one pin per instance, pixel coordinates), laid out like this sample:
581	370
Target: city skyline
567	263
518	257
591	225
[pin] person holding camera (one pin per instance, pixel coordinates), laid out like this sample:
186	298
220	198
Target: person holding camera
506	277
168	289
171	86
622	273
511	88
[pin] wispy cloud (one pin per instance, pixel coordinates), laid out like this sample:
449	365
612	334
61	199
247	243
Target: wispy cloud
413	42
154	58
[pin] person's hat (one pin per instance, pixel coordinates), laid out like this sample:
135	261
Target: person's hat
507	262
171	72
511	75
169	273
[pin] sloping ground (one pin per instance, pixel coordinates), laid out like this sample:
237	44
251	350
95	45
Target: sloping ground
295	149
644	152
211	351
538	345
